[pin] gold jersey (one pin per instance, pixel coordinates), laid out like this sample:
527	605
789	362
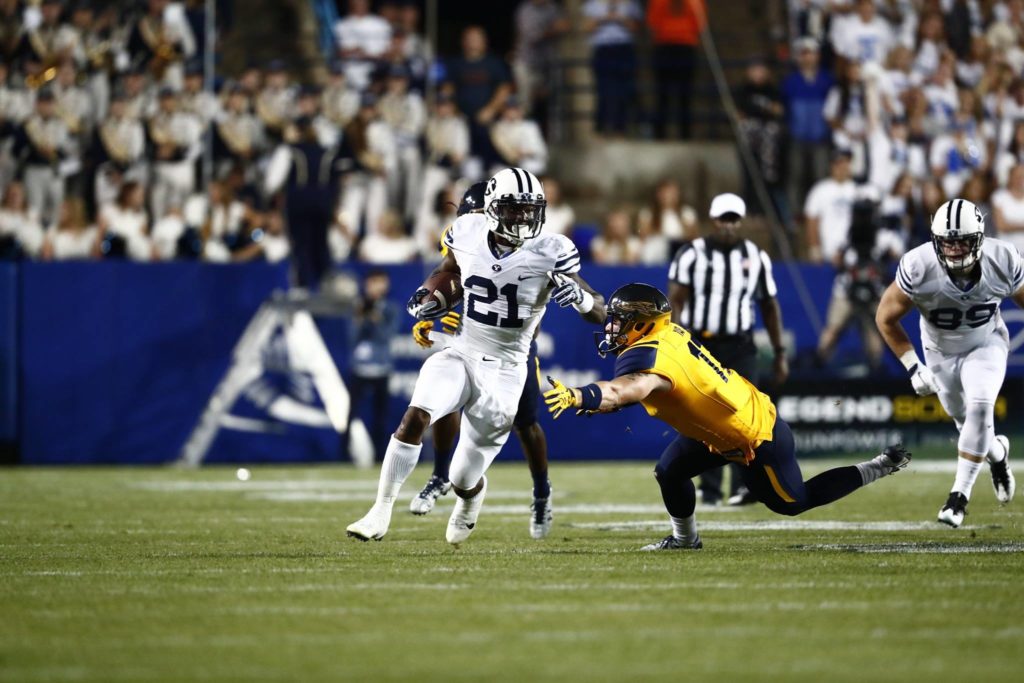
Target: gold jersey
707	402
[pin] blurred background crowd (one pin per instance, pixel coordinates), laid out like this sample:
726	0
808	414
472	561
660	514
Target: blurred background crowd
122	135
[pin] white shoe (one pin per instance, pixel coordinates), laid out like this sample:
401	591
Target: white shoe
463	519
1002	476
425	499
373	526
954	511
540	517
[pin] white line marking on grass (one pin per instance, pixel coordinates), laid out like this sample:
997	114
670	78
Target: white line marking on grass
921	548
770	525
268	485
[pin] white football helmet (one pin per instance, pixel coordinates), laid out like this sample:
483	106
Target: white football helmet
514	205
958	231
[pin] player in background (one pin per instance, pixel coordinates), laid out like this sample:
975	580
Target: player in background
719	415
957	283
527	428
509	272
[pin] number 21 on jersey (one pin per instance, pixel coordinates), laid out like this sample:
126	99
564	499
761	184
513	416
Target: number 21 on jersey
482	292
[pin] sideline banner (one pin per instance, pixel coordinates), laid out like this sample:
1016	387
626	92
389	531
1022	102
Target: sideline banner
116	361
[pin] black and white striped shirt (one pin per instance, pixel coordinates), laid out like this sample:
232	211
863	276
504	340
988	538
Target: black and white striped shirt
723	282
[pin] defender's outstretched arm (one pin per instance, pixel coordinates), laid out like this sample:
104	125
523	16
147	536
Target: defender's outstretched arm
604	396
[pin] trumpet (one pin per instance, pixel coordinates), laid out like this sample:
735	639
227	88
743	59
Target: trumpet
42	77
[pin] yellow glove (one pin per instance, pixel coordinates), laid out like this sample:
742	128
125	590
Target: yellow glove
560	398
451	323
420	331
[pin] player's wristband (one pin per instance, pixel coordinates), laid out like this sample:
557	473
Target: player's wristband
586	304
591	397
910	360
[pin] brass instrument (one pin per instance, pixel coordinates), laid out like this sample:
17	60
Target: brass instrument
164	51
271	119
113	143
101	55
43	76
238	140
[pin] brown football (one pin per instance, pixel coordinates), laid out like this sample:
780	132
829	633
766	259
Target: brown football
445	288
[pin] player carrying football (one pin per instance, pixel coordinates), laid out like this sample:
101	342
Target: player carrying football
719	416
509	272
957	283
525	425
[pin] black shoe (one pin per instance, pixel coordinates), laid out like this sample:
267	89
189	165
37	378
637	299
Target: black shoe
954	511
894	458
672	543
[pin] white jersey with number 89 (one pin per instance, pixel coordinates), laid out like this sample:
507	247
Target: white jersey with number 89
505	296
954	321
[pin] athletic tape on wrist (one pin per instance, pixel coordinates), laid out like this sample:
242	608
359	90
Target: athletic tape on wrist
910	361
586	304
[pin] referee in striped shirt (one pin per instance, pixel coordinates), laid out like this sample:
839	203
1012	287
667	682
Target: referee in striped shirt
712	285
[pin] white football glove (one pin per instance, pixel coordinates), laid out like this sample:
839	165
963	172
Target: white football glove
923	381
567	291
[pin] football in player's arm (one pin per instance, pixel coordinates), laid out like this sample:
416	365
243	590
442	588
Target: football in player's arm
509	272
957	281
720	417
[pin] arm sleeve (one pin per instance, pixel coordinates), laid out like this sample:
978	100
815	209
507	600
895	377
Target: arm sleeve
567	258
636	359
277	171
905	276
766	282
679	270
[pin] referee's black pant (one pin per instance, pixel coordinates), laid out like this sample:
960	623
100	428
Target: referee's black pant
739	353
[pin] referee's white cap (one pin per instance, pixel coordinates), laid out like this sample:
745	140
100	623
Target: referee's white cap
728	203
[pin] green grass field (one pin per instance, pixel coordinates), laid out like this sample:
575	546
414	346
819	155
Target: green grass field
172	575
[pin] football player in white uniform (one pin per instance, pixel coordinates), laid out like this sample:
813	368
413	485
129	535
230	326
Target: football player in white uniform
957	283
509	272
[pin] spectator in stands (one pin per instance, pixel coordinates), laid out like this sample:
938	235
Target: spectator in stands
275	102
434	220
559	218
307	105
72	238
218	218
15	108
362	38
140	96
373	326
925	204
195	100
124	226
970	69
804	92
446	143
1011	156
41	145
160	41
978	191
404	111
675	27
73	103
340	101
482	83
616	245
846	113
540	25
118	150
237	134
612	26
668	217
930	44
175	142
172	238
369	143
827	210
761	112
863	36
388	244
21	235
956	155
943	98
518	141
1008	209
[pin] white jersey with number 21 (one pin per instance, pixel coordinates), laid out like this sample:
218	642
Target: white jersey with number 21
954	321
505	296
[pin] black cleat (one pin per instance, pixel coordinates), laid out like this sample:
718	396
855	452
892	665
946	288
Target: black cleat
894	458
954	511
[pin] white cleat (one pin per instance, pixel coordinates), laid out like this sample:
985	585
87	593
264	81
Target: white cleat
463	519
425	499
953	512
1002	476
373	526
540	517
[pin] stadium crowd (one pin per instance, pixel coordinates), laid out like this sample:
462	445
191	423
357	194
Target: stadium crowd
889	106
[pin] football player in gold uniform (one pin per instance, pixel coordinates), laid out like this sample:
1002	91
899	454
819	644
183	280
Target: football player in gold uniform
719	416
